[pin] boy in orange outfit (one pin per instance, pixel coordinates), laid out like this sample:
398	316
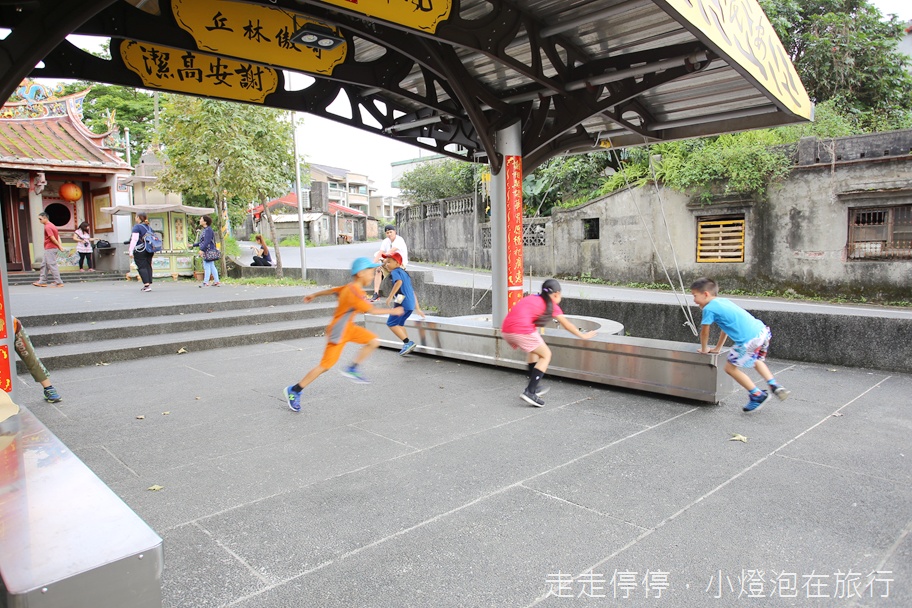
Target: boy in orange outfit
342	329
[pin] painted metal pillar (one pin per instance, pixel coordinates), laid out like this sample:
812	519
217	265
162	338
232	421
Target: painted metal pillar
506	225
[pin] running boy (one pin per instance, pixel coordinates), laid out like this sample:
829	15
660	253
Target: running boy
520	330
403	294
342	329
750	335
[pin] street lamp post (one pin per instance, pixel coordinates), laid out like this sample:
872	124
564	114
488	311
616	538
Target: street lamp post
297	164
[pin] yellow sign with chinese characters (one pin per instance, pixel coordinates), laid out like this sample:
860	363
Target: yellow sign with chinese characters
422	15
164	67
257	33
740	30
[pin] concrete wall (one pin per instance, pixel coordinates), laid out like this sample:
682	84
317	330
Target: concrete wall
795	239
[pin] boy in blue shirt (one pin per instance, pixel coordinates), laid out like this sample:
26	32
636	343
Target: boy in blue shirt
404	296
750	335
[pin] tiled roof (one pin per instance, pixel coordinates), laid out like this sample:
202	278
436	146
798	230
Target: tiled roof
54	144
332	171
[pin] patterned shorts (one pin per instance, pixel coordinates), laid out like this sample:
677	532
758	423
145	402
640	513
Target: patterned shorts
747	354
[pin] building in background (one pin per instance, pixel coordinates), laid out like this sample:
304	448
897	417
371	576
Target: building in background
401	167
384	208
905	45
346	188
51	162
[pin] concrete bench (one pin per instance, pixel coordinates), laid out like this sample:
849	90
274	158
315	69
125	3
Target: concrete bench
66	540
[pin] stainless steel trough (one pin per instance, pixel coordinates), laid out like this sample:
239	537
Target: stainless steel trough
66	540
658	366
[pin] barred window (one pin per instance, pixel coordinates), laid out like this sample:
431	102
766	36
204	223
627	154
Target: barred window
591	229
881	234
720	239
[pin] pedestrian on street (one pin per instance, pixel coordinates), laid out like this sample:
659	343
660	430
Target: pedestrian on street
209	251
84	239
138	252
52	245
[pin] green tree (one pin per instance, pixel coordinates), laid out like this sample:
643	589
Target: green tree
845	51
132	109
226	152
438	179
564	180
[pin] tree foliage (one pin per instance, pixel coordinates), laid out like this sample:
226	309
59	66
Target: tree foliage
556	180
225	152
746	163
563	180
845	51
438	179
132	109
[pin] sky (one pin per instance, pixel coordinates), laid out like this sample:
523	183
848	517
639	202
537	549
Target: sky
326	142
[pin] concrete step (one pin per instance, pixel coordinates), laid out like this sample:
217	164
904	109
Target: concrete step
172	322
103	336
27	278
142	312
85	354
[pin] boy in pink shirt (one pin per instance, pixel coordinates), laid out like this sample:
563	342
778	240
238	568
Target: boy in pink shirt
520	330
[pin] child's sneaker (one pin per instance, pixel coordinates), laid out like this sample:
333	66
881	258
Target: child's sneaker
756	402
780	391
407	348
355	376
532	399
293	398
51	395
374	297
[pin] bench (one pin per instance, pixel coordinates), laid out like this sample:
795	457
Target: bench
66	540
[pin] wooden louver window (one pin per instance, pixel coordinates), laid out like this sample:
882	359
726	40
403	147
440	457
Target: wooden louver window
720	240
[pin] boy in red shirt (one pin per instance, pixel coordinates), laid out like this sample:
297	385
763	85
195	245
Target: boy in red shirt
520	330
342	329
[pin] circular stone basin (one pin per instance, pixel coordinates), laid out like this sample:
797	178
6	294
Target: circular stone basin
584	324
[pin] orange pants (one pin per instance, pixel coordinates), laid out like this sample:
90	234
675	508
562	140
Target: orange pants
355	334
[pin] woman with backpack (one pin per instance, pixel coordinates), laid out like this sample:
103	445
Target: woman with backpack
521	330
209	251
140	252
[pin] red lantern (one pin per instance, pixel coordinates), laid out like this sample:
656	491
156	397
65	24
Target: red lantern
70	192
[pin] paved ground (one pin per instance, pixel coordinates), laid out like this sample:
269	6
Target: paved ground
436	486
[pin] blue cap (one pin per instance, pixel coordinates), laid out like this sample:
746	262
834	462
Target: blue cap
361	264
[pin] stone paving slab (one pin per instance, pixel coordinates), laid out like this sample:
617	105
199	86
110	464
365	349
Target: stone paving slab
437	486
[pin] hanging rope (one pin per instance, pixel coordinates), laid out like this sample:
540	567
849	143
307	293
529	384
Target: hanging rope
681	298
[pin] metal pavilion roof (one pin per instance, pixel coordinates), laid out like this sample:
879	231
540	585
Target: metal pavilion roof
445	75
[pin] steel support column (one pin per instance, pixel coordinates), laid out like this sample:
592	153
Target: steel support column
506	224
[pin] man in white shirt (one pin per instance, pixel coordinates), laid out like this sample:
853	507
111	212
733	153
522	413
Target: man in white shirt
393	243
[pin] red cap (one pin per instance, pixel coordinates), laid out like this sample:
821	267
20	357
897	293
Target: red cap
395	255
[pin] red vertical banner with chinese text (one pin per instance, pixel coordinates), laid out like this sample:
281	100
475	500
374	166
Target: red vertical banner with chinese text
513	176
6	364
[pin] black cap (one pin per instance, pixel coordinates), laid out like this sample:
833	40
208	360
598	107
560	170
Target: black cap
550	286
389	227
